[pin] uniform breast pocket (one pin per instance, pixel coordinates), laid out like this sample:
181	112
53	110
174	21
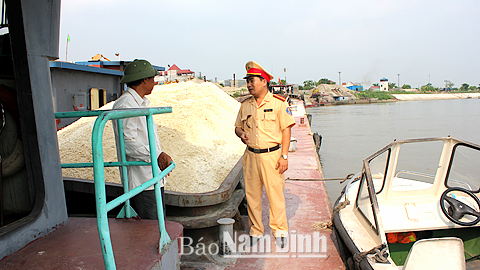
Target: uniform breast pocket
269	121
247	122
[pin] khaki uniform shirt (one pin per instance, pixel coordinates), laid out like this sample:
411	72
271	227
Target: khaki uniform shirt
264	124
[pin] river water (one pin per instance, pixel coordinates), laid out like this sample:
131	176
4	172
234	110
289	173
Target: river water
353	132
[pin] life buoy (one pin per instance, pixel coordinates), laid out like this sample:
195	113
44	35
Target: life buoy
15	160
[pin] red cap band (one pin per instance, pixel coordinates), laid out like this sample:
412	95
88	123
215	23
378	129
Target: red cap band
258	72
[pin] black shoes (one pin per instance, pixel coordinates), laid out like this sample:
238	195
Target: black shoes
253	240
281	241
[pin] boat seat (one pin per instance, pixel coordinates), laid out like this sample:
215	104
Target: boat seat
436	253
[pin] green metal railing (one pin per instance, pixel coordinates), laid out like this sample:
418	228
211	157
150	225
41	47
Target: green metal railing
99	175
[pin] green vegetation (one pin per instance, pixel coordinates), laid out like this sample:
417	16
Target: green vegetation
456	90
428	88
424	89
325	81
307	85
449	84
238	93
310	84
464	87
381	95
400	91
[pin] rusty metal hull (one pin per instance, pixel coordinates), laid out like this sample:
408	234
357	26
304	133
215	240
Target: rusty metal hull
192	210
204	217
202	210
220	195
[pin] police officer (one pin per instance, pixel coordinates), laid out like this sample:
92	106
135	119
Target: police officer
264	124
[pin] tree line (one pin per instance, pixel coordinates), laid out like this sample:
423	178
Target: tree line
310	84
449	87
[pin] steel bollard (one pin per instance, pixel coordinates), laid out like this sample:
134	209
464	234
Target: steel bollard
226	236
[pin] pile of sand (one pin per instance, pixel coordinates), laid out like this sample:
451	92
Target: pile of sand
198	135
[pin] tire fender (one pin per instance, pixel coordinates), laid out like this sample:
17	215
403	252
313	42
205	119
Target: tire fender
14	162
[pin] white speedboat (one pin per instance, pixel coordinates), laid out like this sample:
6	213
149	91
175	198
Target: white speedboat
414	205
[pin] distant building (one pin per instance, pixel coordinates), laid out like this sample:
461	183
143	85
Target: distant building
81	87
238	83
374	88
383	84
353	86
86	85
174	74
114	65
176	71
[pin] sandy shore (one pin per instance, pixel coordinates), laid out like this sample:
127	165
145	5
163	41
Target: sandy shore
407	97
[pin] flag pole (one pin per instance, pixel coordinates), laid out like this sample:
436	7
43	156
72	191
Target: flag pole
66	51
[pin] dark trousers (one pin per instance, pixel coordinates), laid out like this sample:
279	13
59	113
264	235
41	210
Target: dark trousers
145	204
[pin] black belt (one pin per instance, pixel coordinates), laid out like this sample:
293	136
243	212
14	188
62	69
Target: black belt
266	150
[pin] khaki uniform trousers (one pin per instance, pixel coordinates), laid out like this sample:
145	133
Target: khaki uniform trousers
258	171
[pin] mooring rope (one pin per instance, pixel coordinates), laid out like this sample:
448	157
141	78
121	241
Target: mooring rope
328	225
380	252
326	179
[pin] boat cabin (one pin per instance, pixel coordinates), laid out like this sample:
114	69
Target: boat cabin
411	197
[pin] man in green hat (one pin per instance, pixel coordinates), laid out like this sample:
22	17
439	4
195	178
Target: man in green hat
139	77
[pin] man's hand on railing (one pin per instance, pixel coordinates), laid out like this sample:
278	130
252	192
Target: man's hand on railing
164	161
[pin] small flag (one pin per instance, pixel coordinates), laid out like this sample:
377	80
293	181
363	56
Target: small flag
279	81
68	38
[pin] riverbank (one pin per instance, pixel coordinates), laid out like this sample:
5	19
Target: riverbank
408	97
397	97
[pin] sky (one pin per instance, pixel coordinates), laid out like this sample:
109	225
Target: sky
423	41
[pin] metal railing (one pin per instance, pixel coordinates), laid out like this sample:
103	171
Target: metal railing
4	21
99	165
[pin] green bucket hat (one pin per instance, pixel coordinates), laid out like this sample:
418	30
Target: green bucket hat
137	70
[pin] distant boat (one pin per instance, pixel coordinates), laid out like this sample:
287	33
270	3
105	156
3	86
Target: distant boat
310	105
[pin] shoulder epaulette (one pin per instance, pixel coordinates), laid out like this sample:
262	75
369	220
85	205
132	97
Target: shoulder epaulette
279	97
248	98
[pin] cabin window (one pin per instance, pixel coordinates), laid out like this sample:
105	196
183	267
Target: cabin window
417	165
464	168
364	202
376	171
378	168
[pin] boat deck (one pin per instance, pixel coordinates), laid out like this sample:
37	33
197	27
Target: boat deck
77	246
307	203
